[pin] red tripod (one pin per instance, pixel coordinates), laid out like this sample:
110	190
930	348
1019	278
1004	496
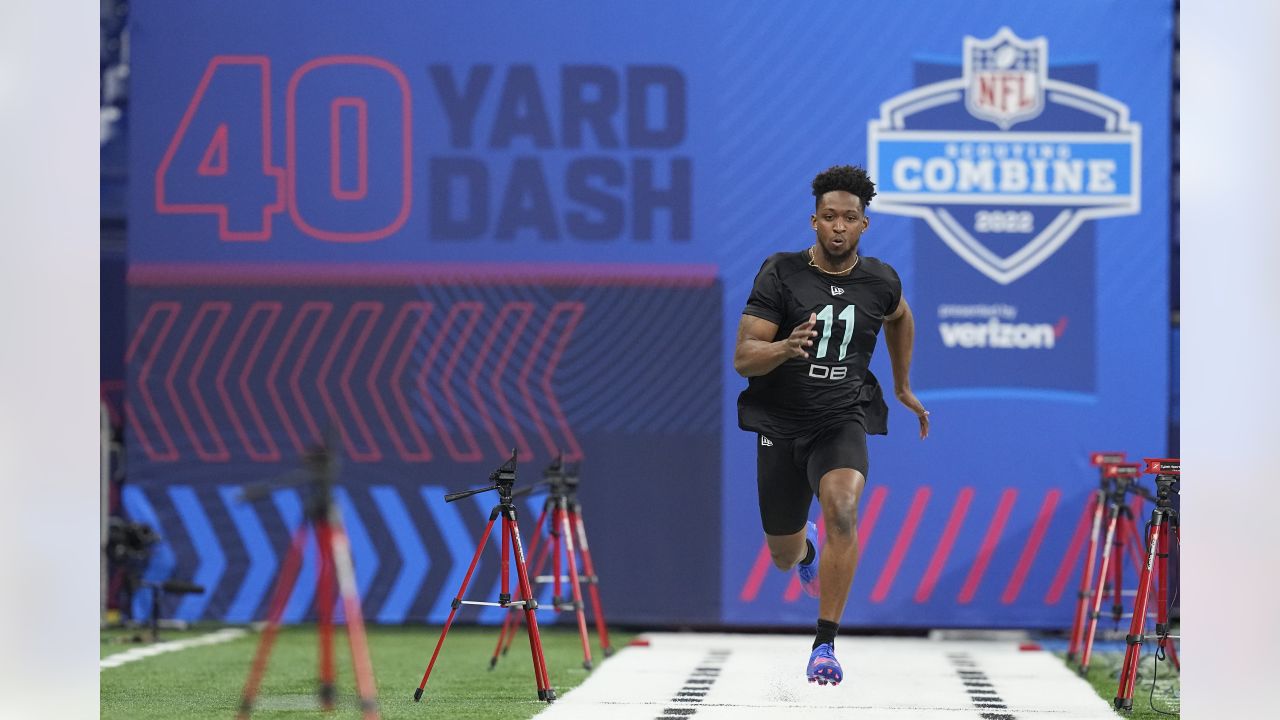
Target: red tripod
325	518
1122	535
502	478
1097	505
565	511
1164	520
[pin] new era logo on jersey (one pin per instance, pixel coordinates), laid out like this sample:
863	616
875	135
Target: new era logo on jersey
766	442
836	290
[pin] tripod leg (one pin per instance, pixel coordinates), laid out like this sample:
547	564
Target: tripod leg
457	603
155	614
1096	605
508	628
539	566
1137	547
594	588
279	596
340	551
545	691
1117	568
575	583
324	613
1133	642
556	544
512	619
1086	576
1162	597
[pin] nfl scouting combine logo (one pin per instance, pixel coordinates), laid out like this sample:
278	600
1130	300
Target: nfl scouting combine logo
1004	197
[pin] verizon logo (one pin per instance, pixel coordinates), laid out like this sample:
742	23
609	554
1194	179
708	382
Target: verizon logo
1002	335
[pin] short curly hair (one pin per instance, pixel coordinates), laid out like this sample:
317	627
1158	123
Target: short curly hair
850	178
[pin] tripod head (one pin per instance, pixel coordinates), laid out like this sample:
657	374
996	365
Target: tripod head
1168	472
1098	459
320	465
1102	460
503	478
571	478
553	477
1124	477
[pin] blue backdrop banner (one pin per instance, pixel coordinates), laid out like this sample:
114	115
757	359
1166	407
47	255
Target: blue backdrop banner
447	230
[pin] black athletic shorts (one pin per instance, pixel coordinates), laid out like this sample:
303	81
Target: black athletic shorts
788	472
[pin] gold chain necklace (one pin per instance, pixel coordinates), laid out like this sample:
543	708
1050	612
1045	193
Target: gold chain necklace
813	263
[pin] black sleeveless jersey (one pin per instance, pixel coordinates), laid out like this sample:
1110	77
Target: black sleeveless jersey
834	384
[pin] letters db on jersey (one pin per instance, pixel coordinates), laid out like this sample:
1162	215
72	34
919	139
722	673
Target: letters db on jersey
1005	158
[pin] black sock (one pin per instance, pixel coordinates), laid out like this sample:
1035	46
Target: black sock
810	553
826	633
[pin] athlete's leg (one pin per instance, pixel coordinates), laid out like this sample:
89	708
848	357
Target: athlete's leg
785	497
838	495
786	550
837	470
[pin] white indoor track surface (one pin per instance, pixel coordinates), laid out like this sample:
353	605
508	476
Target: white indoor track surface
709	676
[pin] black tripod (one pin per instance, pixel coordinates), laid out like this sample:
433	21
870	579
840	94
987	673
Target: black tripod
158	591
503	479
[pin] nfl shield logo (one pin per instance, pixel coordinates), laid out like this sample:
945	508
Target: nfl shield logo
1004	77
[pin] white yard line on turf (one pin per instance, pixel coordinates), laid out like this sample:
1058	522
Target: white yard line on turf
761	677
139	653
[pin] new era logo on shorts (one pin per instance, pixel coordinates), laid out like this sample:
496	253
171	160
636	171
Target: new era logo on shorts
766	442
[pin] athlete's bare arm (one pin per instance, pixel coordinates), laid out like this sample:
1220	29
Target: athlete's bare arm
899	337
757	354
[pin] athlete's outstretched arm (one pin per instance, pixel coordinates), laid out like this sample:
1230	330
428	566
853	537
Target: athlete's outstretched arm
756	352
900	337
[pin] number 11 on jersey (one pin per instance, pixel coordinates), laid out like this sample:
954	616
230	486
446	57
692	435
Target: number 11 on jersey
827	316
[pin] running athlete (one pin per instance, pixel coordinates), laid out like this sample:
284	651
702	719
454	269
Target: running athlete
805	342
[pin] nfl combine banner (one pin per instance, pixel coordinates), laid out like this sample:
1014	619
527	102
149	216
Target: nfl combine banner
1005	162
441	231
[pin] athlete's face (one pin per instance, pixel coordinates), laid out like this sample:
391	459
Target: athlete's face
840	222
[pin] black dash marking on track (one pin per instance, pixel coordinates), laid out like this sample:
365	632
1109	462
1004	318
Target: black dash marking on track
696	686
979	687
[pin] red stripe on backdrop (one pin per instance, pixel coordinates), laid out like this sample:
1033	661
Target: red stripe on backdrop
989	543
901	545
1072	555
1032	547
751	588
943	550
411	274
868	521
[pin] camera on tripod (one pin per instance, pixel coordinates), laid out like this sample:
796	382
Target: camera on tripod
1124	476
503	479
130	542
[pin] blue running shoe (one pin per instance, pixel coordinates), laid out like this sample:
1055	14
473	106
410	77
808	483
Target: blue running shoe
809	573
824	668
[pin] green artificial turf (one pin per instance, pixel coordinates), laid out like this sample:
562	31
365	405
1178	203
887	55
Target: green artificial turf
1104	676
206	682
